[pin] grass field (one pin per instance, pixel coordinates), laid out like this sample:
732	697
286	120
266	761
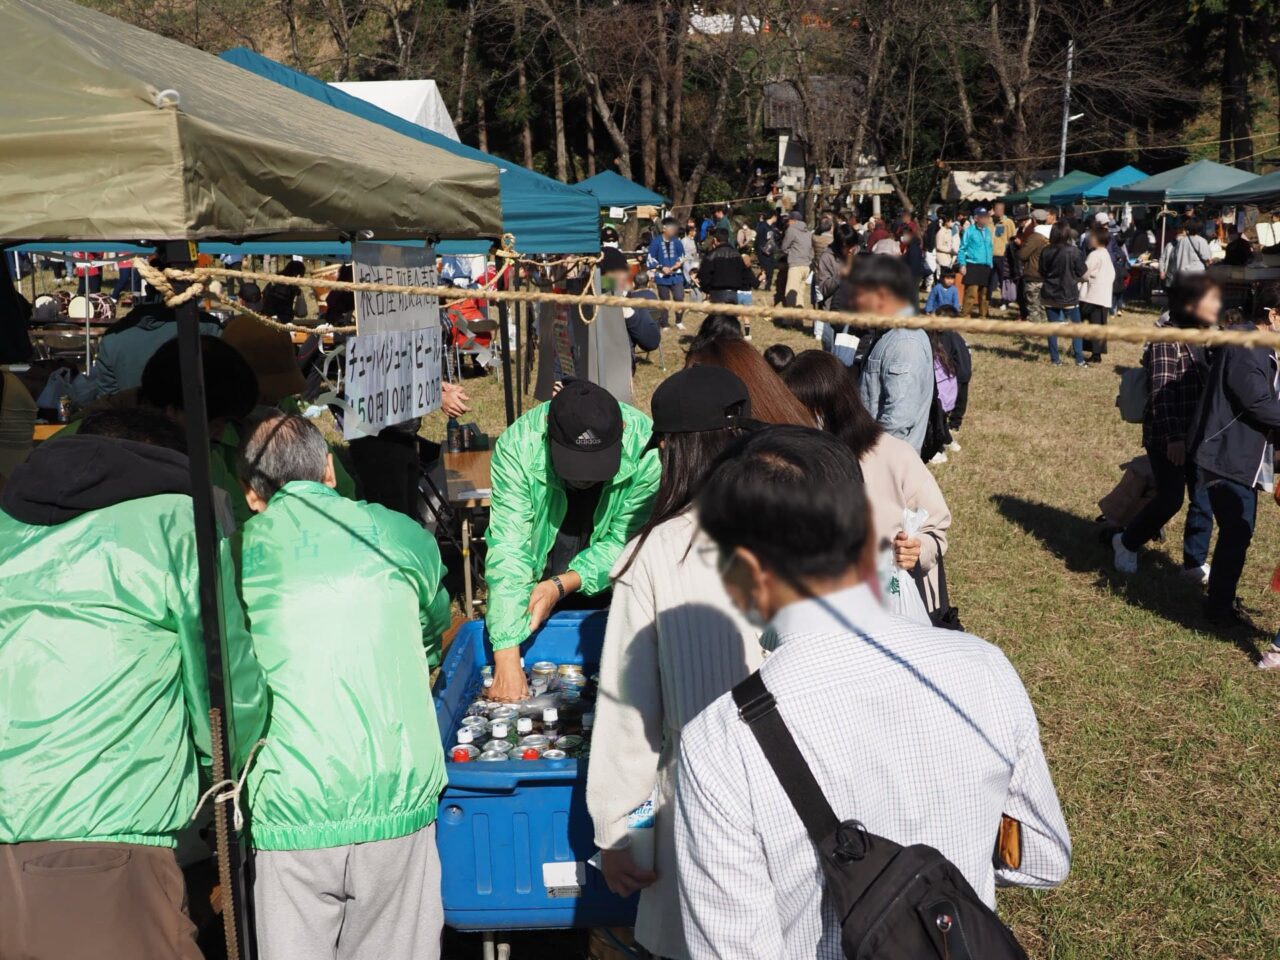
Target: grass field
1160	734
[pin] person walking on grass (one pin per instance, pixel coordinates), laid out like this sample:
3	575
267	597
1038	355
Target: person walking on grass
1176	374
797	246
973	263
1231	447
665	262
1031	244
1097	287
1062	266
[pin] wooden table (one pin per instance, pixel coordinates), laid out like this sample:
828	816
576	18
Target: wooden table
43	431
466	477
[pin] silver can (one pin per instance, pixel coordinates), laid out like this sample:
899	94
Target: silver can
554	755
504	712
490	756
569	743
500	746
537	741
570	669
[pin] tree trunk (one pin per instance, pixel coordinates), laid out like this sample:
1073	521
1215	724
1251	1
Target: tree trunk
526	131
591	138
1237	140
466	63
482	123
562	153
648	146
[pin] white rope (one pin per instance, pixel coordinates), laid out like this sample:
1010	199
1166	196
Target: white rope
237	787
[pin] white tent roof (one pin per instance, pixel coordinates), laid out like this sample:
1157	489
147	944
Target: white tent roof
987	184
417	101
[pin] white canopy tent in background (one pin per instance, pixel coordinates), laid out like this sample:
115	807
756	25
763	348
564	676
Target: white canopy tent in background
417	101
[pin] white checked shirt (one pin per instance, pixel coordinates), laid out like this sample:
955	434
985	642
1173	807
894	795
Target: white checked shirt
926	736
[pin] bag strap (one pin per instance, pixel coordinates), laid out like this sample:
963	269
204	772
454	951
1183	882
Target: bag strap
759	710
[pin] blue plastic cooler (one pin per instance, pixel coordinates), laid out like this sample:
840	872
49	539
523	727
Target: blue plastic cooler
514	837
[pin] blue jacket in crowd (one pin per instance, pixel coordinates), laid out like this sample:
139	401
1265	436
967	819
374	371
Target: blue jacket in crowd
942	296
665	253
975	246
897	384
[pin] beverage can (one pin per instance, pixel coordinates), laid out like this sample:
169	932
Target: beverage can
64	409
570	669
544	668
505	712
464	753
535	741
569	743
489	756
554	755
501	746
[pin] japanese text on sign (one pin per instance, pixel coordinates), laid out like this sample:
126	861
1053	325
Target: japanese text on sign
394	362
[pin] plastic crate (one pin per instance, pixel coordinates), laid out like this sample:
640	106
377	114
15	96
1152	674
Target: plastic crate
514	837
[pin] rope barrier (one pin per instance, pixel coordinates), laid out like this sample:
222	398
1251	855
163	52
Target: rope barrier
162	281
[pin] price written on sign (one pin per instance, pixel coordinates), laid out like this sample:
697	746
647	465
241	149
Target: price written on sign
391	377
394	361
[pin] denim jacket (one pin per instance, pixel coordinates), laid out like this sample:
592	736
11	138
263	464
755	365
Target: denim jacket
897	384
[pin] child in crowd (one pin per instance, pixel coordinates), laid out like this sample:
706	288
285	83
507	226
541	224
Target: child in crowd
944	293
779	356
952	361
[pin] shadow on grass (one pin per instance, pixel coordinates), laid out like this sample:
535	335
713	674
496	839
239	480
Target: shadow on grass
1030	351
1158	587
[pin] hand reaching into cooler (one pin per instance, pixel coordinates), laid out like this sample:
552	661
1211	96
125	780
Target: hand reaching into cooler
509	682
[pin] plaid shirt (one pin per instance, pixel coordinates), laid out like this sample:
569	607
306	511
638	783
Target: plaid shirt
1175	380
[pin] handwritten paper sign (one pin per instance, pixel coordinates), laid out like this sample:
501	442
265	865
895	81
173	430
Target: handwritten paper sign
394	362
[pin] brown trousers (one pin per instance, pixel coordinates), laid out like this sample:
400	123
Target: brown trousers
66	900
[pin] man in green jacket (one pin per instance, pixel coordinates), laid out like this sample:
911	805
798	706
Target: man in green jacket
572	482
104	703
346	610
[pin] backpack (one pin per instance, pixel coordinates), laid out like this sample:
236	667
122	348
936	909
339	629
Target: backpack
1132	397
770	246
893	902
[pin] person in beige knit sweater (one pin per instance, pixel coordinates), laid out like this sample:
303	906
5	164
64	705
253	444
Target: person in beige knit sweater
895	476
674	643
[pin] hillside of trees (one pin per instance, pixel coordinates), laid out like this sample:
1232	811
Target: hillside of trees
672	93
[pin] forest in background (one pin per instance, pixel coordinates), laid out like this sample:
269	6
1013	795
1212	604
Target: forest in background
671	93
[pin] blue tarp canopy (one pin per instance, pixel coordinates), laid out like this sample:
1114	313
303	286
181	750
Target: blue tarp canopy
1098	189
614	190
544	215
1186	184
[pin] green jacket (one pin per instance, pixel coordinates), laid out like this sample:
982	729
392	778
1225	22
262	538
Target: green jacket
104	703
341	597
529	504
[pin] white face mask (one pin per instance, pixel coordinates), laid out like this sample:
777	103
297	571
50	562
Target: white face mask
754	617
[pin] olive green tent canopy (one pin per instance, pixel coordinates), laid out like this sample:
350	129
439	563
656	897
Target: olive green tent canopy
110	132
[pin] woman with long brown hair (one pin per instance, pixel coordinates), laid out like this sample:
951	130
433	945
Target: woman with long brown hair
771	401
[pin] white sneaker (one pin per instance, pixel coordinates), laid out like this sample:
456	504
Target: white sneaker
1198	574
953	446
679	324
939	457
1125	559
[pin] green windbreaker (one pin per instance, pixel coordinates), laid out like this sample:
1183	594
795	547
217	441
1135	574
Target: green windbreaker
104	704
341	598
529	504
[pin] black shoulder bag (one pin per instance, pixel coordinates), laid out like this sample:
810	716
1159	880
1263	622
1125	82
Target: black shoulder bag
893	902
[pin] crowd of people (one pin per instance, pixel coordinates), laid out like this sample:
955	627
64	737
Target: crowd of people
685	524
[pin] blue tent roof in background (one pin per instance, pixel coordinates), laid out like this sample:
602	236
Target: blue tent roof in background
1190	183
545	215
1097	190
614	190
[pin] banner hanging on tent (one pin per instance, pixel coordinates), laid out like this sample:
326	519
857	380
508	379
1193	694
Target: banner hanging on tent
394	361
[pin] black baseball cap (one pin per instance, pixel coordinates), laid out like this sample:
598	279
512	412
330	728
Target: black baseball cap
698	399
584	431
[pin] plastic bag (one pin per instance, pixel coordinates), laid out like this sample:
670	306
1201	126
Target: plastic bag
56	387
901	596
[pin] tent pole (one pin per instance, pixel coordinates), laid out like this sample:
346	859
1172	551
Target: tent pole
504	335
522	310
230	863
87	313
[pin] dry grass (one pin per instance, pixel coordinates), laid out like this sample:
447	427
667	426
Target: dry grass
1161	735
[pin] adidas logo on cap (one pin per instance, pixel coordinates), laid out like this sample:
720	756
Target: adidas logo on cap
587	439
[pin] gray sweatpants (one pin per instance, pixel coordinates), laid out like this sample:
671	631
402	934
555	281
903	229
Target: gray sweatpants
364	901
